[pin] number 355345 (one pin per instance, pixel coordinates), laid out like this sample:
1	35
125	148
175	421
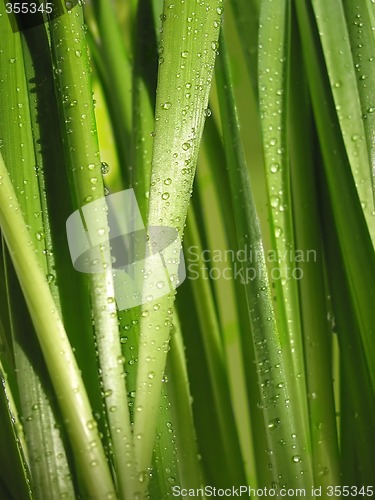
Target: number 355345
29	8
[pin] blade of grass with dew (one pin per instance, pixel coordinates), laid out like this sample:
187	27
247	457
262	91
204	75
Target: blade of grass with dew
341	71
353	232
56	349
36	407
287	443
70	61
274	81
189	44
213	166
180	398
312	288
165	473
362	42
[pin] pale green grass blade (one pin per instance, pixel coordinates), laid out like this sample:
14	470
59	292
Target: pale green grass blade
287	441
344	84
56	348
165	473
73	87
189	44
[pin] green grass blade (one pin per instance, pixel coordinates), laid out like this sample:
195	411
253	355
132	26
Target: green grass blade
15	470
312	286
56	348
22	149
344	84
216	360
180	398
188	49
357	393
360	20
82	156
246	15
118	76
353	232
274	97
280	398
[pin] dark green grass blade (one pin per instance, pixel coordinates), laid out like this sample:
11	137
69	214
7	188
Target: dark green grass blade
13	450
215	355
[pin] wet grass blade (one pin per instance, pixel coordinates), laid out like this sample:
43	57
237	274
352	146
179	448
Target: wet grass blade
317	335
56	348
187	55
345	90
280	397
274	97
74	93
353	231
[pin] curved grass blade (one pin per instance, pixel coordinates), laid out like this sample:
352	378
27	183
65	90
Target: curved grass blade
287	442
360	21
340	66
353	232
187	52
73	88
20	145
56	348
